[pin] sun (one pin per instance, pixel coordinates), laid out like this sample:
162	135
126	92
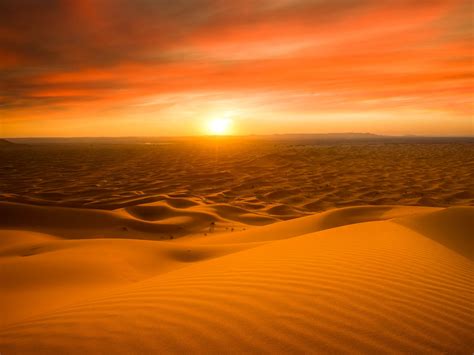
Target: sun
219	126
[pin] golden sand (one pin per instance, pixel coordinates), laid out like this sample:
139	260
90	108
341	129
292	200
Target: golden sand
223	254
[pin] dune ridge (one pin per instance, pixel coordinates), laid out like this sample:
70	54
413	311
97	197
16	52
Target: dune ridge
371	278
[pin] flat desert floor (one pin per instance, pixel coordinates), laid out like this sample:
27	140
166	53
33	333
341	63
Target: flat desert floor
237	246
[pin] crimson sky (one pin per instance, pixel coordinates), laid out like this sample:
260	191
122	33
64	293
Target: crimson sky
156	67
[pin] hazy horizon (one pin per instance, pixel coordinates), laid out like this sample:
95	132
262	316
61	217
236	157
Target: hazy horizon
367	134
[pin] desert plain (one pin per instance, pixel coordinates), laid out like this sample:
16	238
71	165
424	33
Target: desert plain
237	245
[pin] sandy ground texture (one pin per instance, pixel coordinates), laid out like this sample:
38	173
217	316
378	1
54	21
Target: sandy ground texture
229	258
279	179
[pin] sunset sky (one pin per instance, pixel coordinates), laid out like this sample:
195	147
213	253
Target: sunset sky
158	68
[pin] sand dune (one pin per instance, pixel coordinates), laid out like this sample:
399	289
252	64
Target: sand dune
149	221
284	180
237	247
371	278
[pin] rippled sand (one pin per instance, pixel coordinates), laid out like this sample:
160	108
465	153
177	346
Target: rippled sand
279	179
221	247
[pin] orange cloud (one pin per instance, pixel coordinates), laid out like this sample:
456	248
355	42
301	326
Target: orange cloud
83	60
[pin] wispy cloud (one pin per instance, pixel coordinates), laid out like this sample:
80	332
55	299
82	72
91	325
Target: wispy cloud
96	55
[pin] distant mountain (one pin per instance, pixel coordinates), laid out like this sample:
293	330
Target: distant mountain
4	143
348	135
297	138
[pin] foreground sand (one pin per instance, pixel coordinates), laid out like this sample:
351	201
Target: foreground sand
161	278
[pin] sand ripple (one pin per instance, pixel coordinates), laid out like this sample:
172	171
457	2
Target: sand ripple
365	279
284	180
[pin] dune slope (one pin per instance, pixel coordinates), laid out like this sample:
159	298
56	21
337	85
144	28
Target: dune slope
370	279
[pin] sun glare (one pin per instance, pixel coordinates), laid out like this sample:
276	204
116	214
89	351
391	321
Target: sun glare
219	126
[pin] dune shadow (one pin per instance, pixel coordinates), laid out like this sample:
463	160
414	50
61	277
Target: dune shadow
452	227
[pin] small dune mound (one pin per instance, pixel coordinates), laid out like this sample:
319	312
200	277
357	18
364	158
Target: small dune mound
81	223
17	239
279	194
198	218
240	215
155	221
282	211
191	220
251	205
181	202
150	213
314	206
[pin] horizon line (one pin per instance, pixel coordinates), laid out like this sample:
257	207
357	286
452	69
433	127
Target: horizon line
374	135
